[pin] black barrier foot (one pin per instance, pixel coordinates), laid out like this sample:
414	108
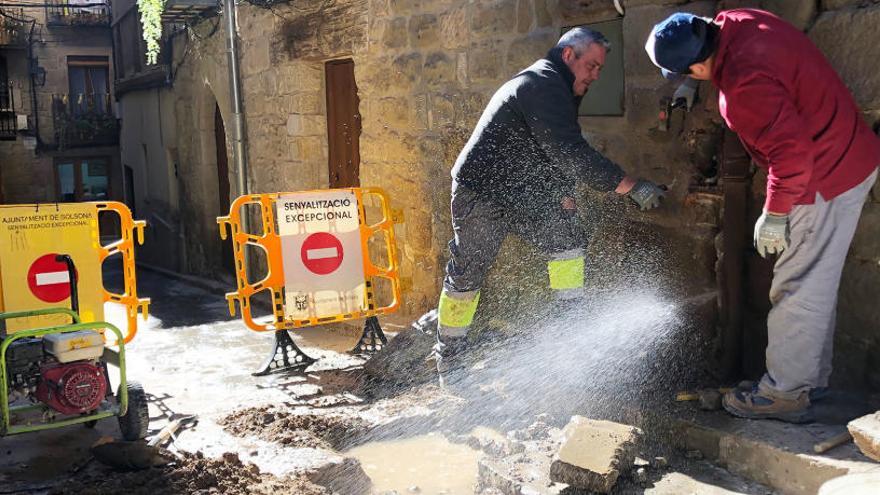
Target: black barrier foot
285	356
372	340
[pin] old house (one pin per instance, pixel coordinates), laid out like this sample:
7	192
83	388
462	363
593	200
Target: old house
58	126
385	92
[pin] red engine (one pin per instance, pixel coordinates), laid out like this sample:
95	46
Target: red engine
72	388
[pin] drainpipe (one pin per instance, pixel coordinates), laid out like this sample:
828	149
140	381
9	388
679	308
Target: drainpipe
239	139
736	183
33	85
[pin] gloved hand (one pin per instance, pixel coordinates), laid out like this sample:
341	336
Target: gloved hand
772	234
646	194
688	91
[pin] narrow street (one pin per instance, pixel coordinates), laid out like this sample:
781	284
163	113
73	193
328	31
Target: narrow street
315	431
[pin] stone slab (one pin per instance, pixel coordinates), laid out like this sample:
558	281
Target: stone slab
594	453
866	434
773	453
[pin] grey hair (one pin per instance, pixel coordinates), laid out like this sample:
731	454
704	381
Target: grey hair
580	38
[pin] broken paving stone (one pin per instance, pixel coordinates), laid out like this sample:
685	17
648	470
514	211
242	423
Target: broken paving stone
593	453
866	434
341	475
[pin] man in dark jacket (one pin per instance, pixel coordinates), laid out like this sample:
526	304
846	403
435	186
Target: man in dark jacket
517	174
796	118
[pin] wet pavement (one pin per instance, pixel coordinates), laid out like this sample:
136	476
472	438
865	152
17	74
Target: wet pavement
194	359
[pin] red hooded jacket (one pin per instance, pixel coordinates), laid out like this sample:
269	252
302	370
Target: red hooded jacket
790	109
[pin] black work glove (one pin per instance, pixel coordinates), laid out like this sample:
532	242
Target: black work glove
646	195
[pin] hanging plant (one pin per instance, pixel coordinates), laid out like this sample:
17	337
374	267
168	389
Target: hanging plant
151	25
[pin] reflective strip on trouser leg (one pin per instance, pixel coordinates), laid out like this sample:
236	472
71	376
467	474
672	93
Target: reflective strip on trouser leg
456	312
566	270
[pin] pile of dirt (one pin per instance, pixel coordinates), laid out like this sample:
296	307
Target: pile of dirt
295	430
191	473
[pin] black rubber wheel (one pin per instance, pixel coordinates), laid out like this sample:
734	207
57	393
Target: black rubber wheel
135	422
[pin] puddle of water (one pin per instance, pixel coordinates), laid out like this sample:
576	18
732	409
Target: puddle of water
429	462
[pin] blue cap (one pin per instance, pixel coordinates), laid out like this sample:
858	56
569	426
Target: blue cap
677	42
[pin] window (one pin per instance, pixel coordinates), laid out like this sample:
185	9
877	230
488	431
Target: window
606	95
88	78
7	107
82	179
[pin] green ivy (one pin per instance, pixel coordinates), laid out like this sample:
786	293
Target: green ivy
151	23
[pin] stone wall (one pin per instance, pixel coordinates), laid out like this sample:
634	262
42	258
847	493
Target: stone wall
425	70
843	31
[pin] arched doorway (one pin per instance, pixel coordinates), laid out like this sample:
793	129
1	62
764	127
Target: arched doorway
227	261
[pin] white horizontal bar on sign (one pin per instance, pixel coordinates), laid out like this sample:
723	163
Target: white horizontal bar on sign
51	278
322	253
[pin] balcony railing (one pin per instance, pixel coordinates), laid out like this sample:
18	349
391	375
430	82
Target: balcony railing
7	112
78	13
84	120
12	31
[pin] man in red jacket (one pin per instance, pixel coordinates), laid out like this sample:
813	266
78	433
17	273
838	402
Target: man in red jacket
796	118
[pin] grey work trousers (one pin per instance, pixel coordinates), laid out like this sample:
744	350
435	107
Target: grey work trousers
806	277
480	226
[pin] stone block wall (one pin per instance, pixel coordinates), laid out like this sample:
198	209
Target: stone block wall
425	70
844	31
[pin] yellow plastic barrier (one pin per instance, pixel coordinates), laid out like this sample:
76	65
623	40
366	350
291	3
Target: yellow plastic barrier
31	278
271	243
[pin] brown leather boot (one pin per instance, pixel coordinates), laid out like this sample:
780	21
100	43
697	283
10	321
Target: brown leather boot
758	404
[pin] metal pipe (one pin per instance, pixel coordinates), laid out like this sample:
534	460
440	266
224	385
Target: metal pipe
239	139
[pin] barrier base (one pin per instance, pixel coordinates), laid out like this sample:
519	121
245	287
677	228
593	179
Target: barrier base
285	356
372	340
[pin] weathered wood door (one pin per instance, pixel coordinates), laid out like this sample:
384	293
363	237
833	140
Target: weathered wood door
343	124
223	185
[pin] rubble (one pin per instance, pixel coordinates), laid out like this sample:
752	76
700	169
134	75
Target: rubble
190	473
593	453
866	434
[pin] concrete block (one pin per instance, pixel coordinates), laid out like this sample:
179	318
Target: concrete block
866	434
593	453
439	69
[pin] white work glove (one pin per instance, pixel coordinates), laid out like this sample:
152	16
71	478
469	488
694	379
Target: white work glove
772	234
646	195
688	91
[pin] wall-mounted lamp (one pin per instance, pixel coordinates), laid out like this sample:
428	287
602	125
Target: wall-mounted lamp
38	74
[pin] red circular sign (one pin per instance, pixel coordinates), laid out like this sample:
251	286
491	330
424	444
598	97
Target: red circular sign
48	279
321	253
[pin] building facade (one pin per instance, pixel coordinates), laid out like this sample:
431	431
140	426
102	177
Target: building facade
58	127
385	93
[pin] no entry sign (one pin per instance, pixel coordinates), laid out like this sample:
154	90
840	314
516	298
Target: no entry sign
31	236
321	253
48	279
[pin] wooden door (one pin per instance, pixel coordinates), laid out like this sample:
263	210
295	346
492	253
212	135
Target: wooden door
343	124
223	185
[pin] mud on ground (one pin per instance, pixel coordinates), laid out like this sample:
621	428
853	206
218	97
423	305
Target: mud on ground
192	474
294	430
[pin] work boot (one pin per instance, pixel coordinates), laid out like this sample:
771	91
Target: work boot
817	394
757	404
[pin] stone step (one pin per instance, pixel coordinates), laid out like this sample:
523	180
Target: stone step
776	454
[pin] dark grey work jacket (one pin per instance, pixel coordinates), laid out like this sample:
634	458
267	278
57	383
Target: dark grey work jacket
527	151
